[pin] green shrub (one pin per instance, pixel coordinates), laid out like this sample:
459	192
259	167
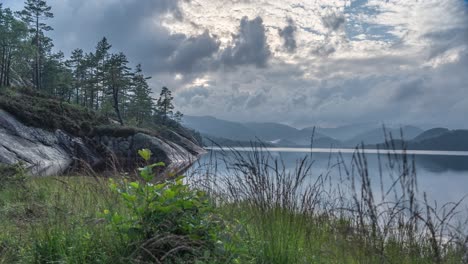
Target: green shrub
166	221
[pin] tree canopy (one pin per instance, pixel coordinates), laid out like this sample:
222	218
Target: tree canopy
101	80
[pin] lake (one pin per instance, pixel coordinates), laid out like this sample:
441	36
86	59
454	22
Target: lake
443	175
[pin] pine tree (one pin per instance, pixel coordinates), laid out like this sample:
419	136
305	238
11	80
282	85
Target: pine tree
90	82
36	11
57	77
77	65
141	104
118	82
12	44
101	58
164	106
178	117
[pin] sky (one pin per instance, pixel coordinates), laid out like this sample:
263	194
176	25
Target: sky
302	63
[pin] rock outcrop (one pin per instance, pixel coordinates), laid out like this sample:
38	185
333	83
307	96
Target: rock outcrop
46	152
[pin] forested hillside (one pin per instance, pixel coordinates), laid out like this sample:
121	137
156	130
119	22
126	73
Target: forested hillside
102	80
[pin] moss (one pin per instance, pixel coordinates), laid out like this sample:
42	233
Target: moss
120	131
38	110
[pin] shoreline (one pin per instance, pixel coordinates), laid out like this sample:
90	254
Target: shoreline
342	150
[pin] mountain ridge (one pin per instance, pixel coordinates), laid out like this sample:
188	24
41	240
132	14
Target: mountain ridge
350	136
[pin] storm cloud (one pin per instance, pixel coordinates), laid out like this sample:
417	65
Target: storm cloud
249	45
132	27
191	53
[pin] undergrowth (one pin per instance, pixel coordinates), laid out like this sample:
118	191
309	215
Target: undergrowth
260	213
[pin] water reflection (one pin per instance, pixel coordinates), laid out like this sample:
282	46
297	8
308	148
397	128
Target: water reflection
443	175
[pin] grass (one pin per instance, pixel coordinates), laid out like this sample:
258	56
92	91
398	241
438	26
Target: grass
50	220
262	213
297	216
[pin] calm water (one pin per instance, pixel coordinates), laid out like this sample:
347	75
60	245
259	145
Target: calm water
443	175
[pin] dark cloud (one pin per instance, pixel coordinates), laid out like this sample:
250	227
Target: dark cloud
410	90
333	21
443	40
335	24
324	50
133	27
192	51
193	96
194	91
288	35
249	46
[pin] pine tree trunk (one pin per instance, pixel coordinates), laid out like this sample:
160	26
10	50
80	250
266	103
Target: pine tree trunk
115	95
78	93
37	70
2	64
116	105
8	69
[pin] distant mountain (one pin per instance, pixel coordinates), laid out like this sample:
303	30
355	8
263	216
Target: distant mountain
435	139
455	140
227	133
378	135
272	133
344	133
212	141
431	133
219	128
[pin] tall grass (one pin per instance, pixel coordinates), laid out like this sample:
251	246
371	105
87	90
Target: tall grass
54	220
299	216
269	213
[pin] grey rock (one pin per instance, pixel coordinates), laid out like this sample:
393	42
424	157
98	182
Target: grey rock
46	153
37	149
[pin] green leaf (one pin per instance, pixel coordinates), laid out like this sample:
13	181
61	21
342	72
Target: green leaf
159	164
164	209
180	180
160	186
146	173
113	187
135	185
117	218
128	197
187	204
145	154
169	194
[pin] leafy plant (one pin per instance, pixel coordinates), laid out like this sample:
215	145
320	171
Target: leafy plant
168	219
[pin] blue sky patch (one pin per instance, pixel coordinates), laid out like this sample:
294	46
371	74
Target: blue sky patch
355	28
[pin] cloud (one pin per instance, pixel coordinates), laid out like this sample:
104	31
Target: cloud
410	90
326	48
255	100
334	21
288	35
317	62
134	27
249	45
186	96
189	55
